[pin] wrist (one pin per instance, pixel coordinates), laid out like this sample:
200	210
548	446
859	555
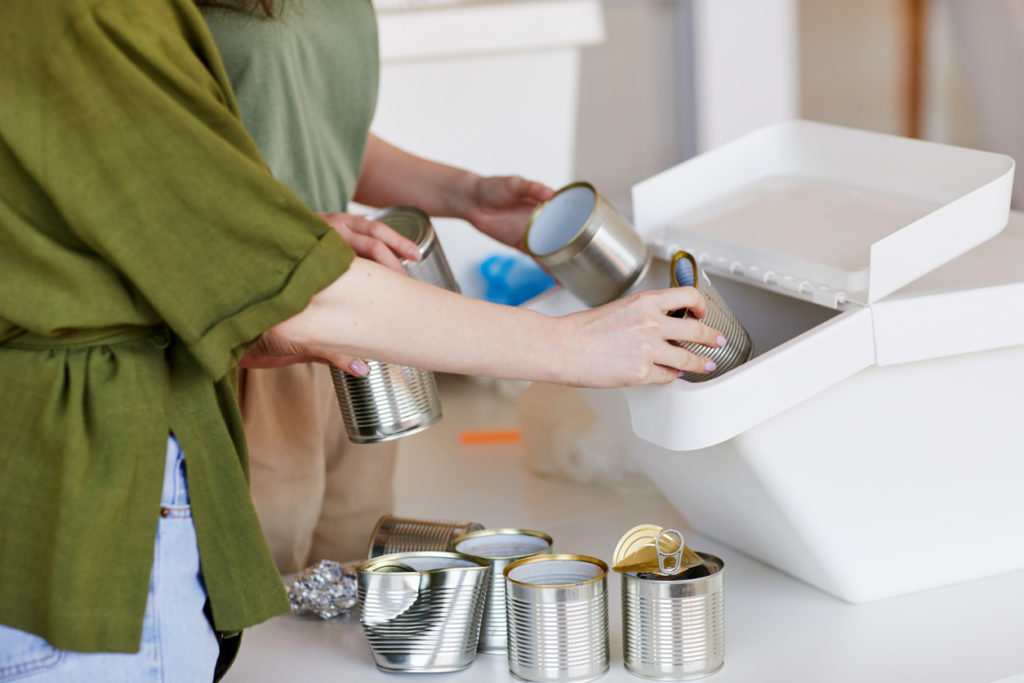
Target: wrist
463	193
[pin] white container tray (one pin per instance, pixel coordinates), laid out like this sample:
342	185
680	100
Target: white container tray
874	445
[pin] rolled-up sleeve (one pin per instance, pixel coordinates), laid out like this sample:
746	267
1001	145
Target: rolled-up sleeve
139	146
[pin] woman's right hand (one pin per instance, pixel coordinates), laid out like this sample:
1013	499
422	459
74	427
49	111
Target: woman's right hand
633	340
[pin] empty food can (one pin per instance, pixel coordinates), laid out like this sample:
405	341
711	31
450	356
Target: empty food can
414	224
582	240
499	548
402	534
738	348
393	401
421	611
674	626
557	609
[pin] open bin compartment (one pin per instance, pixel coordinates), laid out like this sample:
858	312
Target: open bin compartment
873	445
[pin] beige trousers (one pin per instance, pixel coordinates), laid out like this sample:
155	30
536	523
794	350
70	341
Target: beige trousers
317	495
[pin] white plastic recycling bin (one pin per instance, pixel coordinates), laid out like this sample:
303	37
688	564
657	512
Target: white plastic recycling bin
874	446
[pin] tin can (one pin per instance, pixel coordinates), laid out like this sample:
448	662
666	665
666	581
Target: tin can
390	402
421	611
499	548
673	627
414	224
402	534
581	239
557	609
685	272
393	401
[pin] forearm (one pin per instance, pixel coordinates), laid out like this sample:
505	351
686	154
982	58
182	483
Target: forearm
393	176
372	312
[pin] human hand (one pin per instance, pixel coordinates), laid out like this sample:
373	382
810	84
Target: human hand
373	240
272	350
631	340
500	206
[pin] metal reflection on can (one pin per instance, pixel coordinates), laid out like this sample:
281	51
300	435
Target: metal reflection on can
673	627
685	272
557	610
586	244
401	534
499	548
421	611
392	400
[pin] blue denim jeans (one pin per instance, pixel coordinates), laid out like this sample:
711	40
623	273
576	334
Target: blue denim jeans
178	645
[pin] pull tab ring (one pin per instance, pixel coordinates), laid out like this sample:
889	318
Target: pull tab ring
669	563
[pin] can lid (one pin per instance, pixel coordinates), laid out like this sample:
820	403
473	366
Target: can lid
649	548
408	221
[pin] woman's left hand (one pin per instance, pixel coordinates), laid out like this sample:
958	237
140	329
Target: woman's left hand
500	206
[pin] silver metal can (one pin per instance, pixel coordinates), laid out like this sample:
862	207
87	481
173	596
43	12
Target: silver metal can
582	240
402	534
673	627
393	401
390	402
557	609
685	272
414	224
499	548
421	611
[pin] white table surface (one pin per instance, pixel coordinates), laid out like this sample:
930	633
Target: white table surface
777	628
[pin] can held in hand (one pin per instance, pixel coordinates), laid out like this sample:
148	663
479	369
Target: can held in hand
673	627
393	401
557	618
581	239
499	548
421	612
402	534
738	348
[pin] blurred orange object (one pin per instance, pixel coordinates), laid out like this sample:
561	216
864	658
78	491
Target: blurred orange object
490	436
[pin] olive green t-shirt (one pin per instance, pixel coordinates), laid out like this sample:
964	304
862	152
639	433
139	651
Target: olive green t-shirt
145	246
306	86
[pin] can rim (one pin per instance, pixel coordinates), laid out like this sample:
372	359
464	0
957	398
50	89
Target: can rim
394	559
571	243
426	236
385	518
480	533
679	255
557	557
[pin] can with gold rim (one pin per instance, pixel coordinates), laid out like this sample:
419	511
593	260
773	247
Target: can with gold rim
499	548
557	608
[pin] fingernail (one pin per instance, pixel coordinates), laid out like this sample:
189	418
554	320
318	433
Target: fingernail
359	368
722	341
682	373
710	366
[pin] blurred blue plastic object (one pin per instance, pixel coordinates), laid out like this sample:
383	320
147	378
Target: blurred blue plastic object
512	280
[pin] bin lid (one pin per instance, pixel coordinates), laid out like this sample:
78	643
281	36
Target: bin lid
824	213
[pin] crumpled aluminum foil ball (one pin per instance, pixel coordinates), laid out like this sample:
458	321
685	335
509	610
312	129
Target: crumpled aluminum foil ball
327	589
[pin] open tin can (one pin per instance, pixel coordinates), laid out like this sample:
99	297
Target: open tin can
393	401
582	240
402	534
557	609
673	627
499	548
685	272
421	611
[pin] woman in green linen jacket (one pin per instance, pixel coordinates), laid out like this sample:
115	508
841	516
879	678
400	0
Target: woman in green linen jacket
147	250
